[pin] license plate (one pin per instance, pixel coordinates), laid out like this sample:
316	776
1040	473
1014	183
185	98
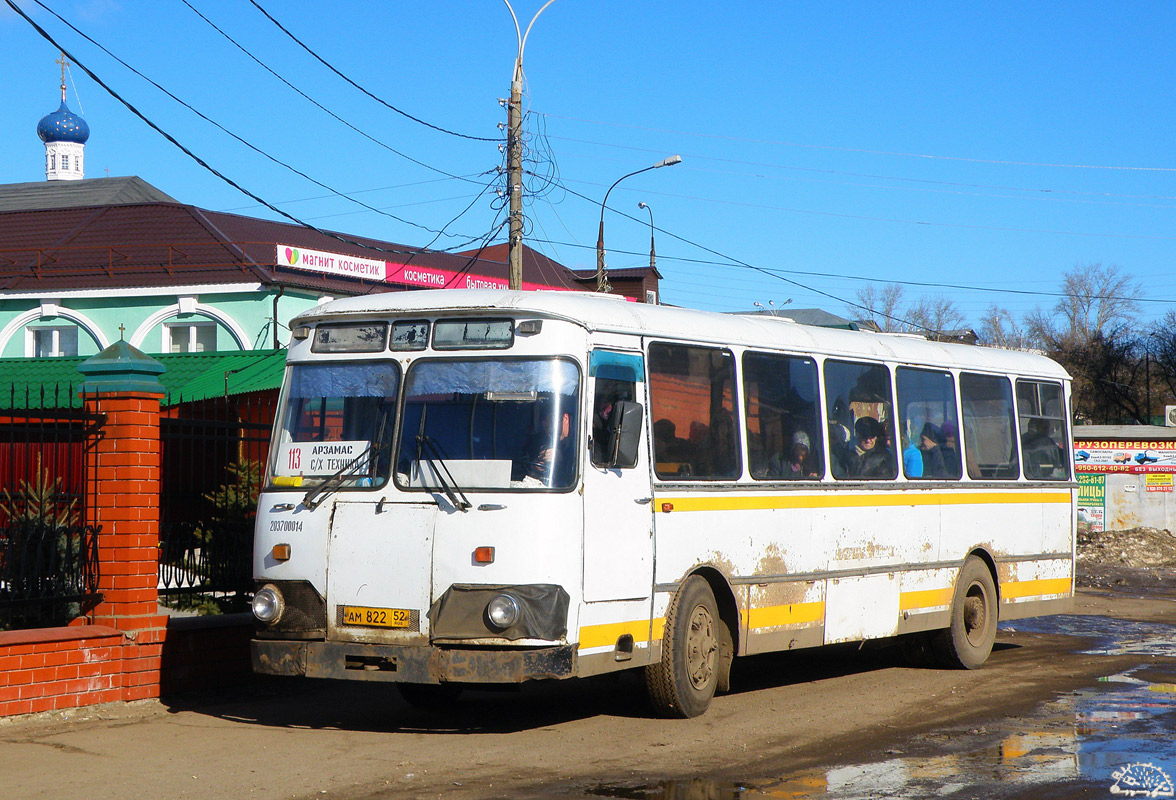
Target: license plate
377	617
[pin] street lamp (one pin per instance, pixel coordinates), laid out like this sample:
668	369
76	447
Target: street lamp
514	154
652	254
601	280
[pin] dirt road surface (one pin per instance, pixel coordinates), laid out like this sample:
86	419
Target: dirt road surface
796	714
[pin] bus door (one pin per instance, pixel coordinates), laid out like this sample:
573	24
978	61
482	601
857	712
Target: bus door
379	568
618	513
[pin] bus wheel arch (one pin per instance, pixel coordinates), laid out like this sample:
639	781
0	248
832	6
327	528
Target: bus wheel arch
975	607
697	647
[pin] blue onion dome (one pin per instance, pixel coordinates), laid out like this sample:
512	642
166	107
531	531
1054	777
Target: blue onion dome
63	126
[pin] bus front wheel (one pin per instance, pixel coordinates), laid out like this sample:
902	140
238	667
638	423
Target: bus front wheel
684	681
967	643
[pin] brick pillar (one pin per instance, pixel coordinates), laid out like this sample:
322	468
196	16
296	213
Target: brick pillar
123	477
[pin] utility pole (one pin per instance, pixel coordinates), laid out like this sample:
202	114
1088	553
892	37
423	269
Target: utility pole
514	154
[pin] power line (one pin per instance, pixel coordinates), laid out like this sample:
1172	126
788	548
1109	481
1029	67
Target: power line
869	218
868	151
310	99
379	100
228	132
1042	193
49	38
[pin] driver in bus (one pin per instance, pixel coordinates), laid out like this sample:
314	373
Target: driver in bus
552	463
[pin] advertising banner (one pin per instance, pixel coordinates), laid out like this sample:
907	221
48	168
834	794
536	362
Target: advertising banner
1161	482
330	263
389	272
1092	502
1124	456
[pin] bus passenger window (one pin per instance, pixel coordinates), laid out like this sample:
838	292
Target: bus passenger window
860	421
1041	409
990	443
784	437
927	424
692	391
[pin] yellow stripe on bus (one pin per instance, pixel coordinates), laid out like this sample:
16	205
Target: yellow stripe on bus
1016	589
792	614
836	500
925	598
606	635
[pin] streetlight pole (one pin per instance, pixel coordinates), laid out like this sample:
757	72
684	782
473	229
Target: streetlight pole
601	279
514	154
652	254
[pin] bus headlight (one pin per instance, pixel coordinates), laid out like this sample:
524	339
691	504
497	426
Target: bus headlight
502	611
268	604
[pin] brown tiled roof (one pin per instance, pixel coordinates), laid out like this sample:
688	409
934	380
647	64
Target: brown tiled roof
160	243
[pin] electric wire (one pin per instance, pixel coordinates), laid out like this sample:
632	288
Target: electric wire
226	131
849	303
155	127
873	176
310	99
869	151
379	100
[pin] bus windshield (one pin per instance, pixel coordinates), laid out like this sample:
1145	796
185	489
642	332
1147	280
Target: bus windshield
489	424
336	425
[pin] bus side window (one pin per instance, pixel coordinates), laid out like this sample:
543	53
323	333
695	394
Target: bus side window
990	441
1041	409
692	391
609	393
616	376
927	424
861	421
784	436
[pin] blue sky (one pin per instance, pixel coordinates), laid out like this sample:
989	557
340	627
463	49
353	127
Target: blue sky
974	150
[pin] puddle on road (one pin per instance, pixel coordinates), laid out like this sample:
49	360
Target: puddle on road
1114	738
1109	636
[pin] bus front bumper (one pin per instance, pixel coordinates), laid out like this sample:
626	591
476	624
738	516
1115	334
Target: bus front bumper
402	664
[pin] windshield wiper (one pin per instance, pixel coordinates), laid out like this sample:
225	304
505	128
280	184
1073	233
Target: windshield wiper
313	498
428	448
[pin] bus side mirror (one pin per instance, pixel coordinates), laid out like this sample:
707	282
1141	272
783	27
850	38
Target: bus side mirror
624	434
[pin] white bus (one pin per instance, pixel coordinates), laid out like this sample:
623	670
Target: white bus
486	487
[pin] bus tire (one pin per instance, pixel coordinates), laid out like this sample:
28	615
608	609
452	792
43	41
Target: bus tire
967	643
429	695
684	681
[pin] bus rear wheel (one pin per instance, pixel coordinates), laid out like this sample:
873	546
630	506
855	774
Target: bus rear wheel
684	681
967	643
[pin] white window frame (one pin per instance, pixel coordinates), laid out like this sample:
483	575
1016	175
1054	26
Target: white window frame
193	327
55	332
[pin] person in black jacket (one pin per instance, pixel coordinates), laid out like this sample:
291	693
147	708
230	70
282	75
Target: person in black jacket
870	458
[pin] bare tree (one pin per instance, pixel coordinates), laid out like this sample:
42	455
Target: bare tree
999	328
1090	333
881	307
1096	299
936	316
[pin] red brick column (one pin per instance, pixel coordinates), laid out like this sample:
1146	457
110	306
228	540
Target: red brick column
124	477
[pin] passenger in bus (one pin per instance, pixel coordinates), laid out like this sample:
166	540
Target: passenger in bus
933	464
798	464
950	450
912	459
1043	457
870	458
717	456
